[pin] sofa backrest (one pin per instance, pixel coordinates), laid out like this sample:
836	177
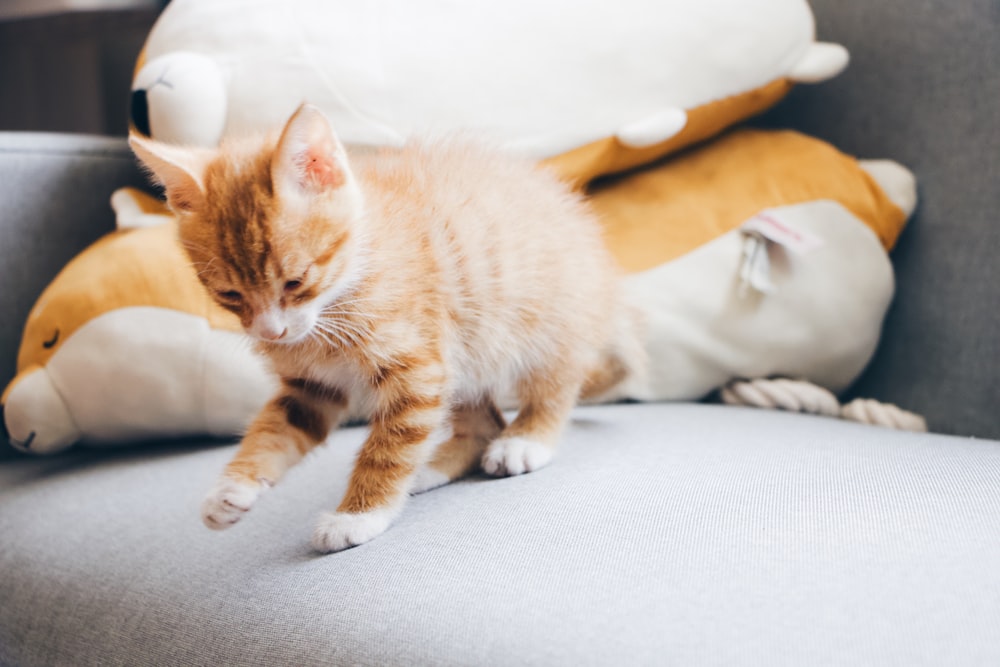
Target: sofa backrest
923	88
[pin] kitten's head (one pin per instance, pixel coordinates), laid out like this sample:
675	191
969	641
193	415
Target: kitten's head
272	227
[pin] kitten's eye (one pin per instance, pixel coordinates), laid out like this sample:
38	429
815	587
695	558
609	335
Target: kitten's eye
230	296
293	285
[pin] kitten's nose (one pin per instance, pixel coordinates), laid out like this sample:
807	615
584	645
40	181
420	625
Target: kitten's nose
269	325
273	334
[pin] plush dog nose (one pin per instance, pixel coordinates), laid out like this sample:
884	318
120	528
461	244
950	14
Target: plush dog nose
35	415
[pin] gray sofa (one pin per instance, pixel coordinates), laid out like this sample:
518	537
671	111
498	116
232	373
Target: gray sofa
687	534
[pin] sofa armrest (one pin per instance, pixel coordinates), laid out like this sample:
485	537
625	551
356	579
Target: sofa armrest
54	202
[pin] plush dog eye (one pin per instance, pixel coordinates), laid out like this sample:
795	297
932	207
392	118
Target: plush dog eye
51	343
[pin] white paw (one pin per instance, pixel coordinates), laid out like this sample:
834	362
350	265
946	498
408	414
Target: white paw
427	478
513	456
228	501
336	531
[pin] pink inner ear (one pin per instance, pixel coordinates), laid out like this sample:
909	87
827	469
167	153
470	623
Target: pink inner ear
321	168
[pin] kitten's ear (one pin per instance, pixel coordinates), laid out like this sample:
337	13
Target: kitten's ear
179	169
309	157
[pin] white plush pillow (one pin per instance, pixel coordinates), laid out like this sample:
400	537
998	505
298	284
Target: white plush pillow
545	76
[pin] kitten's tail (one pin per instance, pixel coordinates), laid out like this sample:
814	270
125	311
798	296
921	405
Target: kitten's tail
623	363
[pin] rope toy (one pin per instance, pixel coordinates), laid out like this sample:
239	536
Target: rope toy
806	397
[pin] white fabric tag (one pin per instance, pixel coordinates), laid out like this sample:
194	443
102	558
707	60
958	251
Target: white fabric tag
755	270
759	232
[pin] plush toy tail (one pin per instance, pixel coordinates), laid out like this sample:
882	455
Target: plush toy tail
803	396
822	61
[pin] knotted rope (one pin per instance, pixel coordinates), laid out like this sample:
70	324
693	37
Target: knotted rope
803	396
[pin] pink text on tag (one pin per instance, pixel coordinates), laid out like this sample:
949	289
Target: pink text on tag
768	225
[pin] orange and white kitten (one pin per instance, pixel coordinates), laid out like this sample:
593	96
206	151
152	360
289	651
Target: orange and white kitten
414	285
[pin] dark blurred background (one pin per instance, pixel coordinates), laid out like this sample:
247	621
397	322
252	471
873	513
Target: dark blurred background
66	65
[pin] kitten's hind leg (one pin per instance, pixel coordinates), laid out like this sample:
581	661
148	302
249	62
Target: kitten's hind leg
530	441
297	419
473	428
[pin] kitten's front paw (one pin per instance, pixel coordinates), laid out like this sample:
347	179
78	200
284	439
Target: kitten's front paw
228	501
512	456
337	531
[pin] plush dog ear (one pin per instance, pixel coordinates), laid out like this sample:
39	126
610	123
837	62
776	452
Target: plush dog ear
309	158
180	169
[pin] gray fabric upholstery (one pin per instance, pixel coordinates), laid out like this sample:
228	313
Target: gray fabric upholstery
923	88
685	534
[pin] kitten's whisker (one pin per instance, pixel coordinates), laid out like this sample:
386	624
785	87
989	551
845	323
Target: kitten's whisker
347	302
325	338
359	299
355	330
345	315
330	340
191	245
201	268
340	339
345	326
330	331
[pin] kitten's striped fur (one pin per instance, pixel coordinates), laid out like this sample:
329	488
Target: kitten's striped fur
414	285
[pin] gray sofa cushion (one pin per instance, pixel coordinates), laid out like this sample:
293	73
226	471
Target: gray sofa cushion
677	534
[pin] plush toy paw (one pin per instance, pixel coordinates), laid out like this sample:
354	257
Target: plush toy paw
337	531
228	501
506	457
